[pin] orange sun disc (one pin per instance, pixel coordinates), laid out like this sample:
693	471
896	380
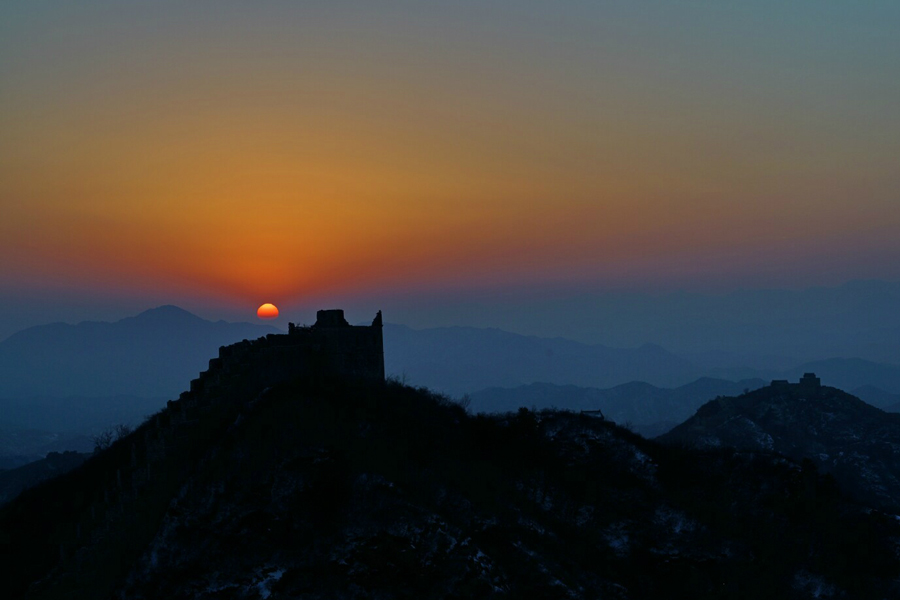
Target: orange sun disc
267	311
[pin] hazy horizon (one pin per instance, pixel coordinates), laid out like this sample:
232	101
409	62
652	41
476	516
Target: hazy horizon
755	329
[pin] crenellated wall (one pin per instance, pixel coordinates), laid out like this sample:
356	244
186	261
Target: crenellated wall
330	348
152	457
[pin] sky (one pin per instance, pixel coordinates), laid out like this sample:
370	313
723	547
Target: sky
218	155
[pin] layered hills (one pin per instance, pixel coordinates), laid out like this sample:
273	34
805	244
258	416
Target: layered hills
150	355
72	378
459	360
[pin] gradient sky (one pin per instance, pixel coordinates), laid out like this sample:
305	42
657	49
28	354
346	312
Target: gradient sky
224	154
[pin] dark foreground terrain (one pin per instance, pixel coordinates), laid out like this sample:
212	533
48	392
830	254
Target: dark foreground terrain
384	491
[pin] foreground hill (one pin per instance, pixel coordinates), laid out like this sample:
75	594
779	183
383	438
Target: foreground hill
383	491
649	410
855	442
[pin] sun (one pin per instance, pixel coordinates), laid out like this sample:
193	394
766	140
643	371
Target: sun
267	311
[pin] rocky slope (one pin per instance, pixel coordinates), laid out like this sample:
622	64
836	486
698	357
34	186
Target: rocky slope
842	435
385	491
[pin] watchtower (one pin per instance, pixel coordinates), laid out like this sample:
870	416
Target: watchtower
343	349
809	384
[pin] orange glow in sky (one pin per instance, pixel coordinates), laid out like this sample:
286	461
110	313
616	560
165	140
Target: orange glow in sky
286	152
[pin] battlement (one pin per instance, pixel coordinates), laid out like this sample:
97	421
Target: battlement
236	381
810	382
331	318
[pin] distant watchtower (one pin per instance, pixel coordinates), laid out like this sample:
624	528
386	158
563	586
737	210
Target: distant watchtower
809	384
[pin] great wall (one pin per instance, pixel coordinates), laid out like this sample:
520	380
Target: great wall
148	466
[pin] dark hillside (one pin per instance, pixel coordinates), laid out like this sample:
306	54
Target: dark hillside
383	491
842	435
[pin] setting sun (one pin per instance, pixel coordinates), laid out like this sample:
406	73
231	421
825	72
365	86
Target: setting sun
267	311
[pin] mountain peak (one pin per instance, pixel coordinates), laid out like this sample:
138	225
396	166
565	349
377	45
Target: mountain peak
166	316
840	433
167	312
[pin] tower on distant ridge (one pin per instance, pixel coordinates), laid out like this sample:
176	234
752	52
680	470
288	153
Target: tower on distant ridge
809	384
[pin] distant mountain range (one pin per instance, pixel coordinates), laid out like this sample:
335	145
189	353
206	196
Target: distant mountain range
154	354
842	435
458	360
76	414
878	398
764	329
158	352
77	378
647	409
